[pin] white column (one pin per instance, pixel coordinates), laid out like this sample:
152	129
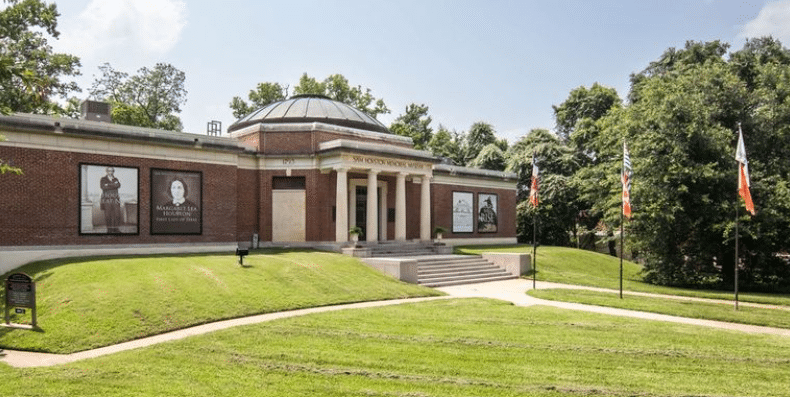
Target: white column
400	207
341	206
425	209
373	208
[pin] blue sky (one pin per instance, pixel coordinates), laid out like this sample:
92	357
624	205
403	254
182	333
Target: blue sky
502	62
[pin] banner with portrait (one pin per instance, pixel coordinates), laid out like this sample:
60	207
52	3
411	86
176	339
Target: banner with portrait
463	212
176	202
109	199
487	213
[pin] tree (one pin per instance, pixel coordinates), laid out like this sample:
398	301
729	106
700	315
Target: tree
583	105
338	88
31	74
480	135
491	157
680	135
449	145
148	99
415	123
264	94
558	207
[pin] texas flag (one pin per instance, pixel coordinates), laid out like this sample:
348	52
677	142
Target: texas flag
533	189
743	173
626	179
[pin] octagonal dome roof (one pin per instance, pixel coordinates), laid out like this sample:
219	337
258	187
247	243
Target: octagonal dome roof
310	109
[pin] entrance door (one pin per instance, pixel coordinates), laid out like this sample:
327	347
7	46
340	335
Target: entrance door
361	211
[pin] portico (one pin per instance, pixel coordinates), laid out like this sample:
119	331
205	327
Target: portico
377	162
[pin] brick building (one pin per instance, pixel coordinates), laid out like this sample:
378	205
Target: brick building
297	172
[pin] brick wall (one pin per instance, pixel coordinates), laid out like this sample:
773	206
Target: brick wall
42	206
442	210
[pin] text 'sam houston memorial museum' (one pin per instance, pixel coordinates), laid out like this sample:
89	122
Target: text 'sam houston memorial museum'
300	172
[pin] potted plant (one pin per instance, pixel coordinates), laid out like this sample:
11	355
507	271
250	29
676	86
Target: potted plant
355	232
439	231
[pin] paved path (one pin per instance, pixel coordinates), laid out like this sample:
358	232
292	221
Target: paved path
509	290
515	291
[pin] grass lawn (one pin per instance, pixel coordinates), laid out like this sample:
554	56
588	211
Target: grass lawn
93	302
459	347
580	267
779	318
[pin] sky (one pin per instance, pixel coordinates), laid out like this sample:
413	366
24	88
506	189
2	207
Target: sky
505	63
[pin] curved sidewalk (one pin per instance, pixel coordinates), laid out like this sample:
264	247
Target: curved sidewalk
514	291
23	359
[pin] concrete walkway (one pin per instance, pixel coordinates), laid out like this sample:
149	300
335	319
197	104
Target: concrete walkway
508	290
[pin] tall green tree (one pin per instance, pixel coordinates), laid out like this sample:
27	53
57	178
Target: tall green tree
491	157
33	77
263	94
558	206
416	124
479	136
151	98
447	144
680	136
583	105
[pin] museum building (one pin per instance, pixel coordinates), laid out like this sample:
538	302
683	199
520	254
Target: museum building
300	172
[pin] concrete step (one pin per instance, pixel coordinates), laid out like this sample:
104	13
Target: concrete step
444	259
448	282
460	272
449	270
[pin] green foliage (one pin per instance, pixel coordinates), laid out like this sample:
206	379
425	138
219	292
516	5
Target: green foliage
583	105
415	123
681	127
558	209
448	145
31	74
479	136
5	167
491	157
264	94
151	98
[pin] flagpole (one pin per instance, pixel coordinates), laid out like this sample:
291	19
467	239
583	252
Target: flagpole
737	204
737	220
621	251
534	247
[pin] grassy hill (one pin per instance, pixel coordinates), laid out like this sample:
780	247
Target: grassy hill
457	347
93	302
580	267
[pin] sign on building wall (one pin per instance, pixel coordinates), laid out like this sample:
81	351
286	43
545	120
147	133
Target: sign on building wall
176	202
109	199
463	214
487	213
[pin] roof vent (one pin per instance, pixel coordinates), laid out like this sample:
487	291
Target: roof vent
96	111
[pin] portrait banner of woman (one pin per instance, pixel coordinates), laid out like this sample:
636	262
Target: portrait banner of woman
108	199
176	202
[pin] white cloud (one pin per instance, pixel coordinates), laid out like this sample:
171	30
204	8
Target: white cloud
773	20
107	30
